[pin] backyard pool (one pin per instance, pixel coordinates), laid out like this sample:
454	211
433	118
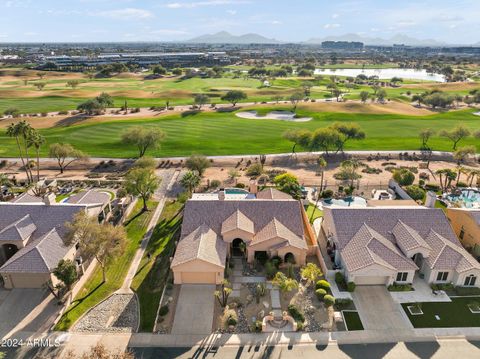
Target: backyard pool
235	191
346	202
468	198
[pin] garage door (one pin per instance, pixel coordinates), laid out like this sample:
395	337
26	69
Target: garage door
198	277
370	280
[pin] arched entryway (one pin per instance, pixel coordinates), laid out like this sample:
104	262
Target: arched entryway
7	252
289	258
238	247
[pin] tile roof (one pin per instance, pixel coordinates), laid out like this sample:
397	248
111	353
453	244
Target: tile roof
275	229
408	239
447	255
89	197
27	198
204	244
237	221
42	256
20	230
272	193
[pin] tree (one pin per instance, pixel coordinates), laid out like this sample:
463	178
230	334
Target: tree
337	93
462	153
36	140
143	138
65	154
456	135
21	132
418	99
403	177
415	192
190	181
142	182
446	177
66	272
90	107
307	86
40	85
105	242
298	137
381	95
349	169
223	294
201	99
73	83
310	273
295	99
41	75
350	131
234	96
145	162
322	164
364	96
105	100
197	164
326	139
288	183
159	70
425	135
285	284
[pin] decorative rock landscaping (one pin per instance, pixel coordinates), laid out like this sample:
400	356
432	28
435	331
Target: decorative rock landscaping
117	314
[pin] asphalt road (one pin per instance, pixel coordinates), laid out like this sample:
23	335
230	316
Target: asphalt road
447	349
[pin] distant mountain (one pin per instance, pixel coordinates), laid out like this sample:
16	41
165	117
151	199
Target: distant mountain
224	37
377	41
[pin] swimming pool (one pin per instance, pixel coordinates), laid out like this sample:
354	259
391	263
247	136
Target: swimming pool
346	202
235	191
469	198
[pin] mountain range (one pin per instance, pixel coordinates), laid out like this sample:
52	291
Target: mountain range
224	37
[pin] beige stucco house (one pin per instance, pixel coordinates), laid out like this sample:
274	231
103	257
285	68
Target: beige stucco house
217	227
466	224
380	246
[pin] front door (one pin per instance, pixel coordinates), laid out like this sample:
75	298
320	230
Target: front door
238	248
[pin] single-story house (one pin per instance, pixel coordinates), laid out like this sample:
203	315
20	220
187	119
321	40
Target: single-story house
32	241
466	224
383	245
272	224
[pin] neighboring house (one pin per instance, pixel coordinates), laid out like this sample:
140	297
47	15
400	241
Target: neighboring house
32	241
466	224
215	228
98	201
380	246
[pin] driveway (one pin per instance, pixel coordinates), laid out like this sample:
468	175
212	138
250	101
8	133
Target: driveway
377	309
194	313
25	309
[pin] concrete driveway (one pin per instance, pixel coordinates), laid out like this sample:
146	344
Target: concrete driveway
377	309
26	310
194	313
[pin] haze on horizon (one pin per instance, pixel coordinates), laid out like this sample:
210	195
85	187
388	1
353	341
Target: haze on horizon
178	20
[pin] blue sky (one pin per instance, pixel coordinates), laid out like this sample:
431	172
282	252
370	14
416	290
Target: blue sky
454	21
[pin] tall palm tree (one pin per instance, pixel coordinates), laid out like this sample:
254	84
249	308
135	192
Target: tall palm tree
14	131
322	164
36	140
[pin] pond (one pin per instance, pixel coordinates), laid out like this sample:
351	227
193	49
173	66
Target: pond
385	74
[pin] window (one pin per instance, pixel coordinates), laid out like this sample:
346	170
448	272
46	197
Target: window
442	276
402	277
470	280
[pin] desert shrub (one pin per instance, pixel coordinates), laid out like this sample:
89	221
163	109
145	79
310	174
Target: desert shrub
328	300
339	278
328	193
415	192
254	170
257	326
295	313
163	310
215	183
276	260
229	317
322	284
240	185
403	177
342	303
351	287
270	270
432	187
320	293
63	113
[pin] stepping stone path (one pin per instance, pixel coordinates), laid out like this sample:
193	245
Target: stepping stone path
117	314
238	278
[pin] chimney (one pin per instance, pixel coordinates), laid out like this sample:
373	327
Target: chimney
431	199
49	199
253	187
221	195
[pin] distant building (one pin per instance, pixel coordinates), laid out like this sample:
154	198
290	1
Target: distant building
342	45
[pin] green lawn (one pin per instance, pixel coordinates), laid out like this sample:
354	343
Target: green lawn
94	290
317	213
454	314
226	134
352	320
152	275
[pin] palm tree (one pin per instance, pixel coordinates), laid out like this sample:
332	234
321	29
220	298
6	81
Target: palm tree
15	131
190	181
322	164
36	140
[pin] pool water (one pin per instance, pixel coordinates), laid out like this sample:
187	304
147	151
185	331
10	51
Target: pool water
469	198
235	191
347	202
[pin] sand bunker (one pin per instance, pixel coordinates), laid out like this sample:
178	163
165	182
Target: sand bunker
476	113
274	115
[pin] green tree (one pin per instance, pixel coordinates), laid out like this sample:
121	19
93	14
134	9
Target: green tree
66	272
73	84
90	107
298	137
326	139
65	155
288	183
190	181
461	154
143	138
142	182
105	242
36	140
285	284
425	135
310	273
200	100
403	177
21	131
159	70
350	131
295	100
456	135
234	96
349	170
364	95
197	164
40	85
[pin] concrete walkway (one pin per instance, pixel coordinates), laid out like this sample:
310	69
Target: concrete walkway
422	293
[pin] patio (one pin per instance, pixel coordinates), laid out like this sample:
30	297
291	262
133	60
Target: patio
422	293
